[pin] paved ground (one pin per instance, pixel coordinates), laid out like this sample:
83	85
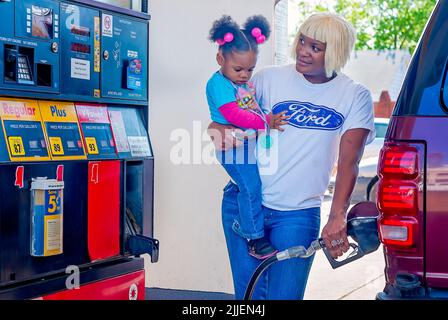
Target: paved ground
359	280
170	294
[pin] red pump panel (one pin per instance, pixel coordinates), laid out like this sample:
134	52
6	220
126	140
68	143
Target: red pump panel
103	222
127	287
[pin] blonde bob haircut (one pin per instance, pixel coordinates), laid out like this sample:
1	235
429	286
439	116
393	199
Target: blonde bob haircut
338	34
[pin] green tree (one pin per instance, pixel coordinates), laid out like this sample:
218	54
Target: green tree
380	24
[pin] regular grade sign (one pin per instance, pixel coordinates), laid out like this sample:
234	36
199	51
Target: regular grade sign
22	128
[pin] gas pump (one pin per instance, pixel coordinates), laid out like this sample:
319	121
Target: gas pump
76	162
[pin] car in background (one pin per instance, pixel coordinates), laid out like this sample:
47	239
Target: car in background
366	184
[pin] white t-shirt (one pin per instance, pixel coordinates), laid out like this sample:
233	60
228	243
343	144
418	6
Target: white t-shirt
296	170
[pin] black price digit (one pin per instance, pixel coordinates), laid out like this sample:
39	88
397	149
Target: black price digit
57	147
17	148
92	147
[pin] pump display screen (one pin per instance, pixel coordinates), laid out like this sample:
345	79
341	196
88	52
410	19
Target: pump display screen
42	25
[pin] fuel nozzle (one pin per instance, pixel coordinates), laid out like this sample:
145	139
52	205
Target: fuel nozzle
300	251
362	228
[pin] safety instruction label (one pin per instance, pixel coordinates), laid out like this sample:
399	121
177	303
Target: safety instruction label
80	69
62	129
108	25
139	146
53	236
23	130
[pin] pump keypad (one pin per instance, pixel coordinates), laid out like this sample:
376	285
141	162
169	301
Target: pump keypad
23	70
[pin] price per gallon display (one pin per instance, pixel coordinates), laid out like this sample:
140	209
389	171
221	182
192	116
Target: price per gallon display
16	146
92	147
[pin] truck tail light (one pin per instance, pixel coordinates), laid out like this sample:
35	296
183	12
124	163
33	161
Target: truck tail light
398	194
398	197
398	232
399	161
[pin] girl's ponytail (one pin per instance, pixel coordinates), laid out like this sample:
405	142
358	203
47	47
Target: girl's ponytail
257	27
228	35
224	30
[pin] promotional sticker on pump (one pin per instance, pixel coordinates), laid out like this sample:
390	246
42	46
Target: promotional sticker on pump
23	130
46	217
96	130
62	129
134	74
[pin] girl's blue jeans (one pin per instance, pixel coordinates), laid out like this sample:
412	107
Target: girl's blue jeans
241	166
284	280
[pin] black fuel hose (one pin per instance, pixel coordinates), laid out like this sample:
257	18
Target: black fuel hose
293	252
260	269
362	229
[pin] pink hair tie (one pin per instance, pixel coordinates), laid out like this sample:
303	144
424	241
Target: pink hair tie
256	32
259	37
228	37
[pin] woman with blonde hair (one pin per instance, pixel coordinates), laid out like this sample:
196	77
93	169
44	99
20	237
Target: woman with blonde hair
329	115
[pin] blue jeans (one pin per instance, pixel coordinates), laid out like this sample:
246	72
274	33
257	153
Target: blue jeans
241	166
284	280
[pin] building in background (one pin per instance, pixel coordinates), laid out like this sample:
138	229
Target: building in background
382	72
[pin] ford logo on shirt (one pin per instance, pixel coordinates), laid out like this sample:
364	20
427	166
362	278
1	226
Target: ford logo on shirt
310	116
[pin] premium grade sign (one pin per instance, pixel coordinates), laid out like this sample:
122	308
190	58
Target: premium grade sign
96	130
22	128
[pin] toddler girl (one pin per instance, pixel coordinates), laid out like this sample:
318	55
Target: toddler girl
231	99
